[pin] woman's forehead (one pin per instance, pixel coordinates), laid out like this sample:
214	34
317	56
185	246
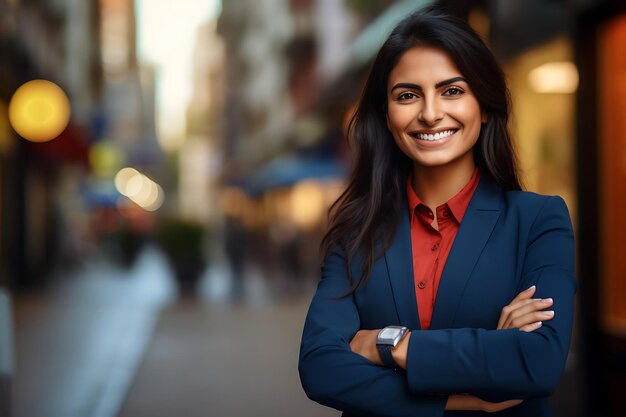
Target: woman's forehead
427	64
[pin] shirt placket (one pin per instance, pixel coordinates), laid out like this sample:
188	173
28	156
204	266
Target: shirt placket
444	219
426	284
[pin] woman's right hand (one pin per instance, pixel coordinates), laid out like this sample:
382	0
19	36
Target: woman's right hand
457	402
526	313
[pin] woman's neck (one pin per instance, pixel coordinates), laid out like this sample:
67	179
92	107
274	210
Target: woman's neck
435	185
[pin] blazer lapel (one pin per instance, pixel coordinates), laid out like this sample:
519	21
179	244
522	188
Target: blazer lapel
476	227
399	260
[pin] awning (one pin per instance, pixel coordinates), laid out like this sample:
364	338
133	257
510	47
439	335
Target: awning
287	171
69	147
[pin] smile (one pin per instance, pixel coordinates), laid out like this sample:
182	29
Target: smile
433	137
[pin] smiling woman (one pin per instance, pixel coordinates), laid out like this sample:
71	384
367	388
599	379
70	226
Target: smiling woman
444	286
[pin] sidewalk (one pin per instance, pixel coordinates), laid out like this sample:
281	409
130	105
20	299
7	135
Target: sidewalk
210	357
109	342
208	361
78	345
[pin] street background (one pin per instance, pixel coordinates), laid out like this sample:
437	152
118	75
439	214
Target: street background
166	168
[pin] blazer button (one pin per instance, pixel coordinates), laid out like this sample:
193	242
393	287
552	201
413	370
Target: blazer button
421	285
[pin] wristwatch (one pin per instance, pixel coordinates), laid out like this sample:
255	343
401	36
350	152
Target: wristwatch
388	338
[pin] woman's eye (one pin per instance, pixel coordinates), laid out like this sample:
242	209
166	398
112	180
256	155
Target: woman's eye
453	91
406	96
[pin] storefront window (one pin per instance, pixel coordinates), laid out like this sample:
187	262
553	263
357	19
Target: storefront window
612	175
543	81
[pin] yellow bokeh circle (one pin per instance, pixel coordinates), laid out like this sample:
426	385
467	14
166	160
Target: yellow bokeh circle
39	111
105	157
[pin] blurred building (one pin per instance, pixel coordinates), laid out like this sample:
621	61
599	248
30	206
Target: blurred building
281	55
129	97
59	202
43	39
600	40
200	157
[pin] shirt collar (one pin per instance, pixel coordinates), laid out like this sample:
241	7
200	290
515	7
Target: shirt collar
457	204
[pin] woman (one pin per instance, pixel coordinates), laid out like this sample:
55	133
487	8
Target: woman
434	237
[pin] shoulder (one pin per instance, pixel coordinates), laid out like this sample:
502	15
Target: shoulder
533	201
524	203
535	209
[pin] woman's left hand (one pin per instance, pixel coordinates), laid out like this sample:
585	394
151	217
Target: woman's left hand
526	313
364	343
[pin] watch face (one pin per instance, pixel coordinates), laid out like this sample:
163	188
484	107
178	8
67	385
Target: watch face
389	333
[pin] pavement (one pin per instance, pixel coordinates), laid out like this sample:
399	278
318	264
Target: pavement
223	362
108	341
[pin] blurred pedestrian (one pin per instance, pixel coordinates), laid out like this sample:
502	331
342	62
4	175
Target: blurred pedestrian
235	245
444	285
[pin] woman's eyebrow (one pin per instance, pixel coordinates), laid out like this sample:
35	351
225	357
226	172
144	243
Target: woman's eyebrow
450	81
406	85
440	84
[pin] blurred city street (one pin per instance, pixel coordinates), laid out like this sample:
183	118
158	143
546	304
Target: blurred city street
167	170
108	342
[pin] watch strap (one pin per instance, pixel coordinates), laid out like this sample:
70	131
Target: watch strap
385	355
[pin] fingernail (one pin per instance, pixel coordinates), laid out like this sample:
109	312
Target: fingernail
539	323
531	288
549	313
547	300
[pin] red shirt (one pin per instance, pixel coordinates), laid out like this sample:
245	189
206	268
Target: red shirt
431	246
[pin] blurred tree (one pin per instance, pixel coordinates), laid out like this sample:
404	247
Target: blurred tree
182	242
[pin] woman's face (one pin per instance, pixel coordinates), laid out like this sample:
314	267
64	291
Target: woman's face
432	113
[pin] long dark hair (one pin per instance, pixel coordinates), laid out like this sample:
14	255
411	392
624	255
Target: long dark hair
364	219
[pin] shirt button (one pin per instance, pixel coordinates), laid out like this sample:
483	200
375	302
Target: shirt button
421	285
435	247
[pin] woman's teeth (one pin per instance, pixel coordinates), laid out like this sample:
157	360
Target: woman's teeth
436	136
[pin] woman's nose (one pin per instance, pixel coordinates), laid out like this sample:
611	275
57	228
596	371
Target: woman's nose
430	113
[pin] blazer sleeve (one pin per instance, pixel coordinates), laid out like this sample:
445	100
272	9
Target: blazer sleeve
505	364
333	375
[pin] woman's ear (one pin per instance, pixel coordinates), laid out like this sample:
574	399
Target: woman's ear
484	118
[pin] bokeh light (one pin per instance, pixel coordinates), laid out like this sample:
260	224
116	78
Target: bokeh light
105	157
554	77
140	189
307	204
39	111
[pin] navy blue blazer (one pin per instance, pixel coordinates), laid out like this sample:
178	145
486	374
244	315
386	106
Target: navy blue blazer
507	241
